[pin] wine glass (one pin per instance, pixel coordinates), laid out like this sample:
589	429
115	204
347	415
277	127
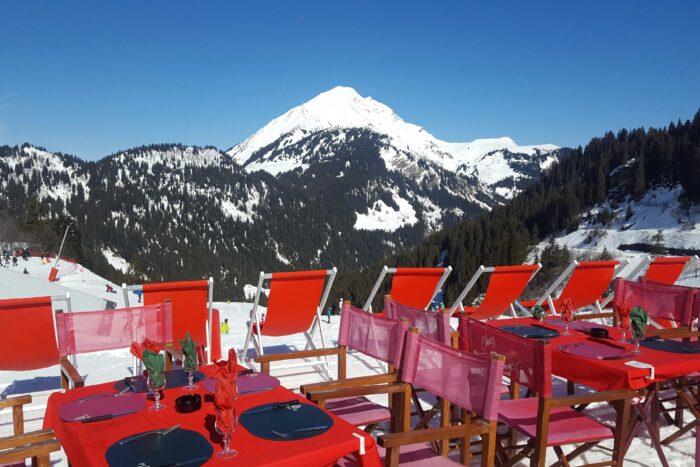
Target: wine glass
190	379
625	325
156	393
566	317
225	424
636	338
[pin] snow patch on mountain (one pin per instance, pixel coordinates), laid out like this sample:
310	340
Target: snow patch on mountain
116	261
343	107
381	216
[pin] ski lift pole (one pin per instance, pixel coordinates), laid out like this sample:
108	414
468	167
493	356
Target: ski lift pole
54	270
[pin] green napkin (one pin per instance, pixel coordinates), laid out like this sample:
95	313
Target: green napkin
639	320
155	363
189	350
537	311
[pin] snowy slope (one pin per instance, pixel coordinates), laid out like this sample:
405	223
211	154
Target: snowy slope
342	107
631	238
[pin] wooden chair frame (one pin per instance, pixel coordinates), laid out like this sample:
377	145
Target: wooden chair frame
36	445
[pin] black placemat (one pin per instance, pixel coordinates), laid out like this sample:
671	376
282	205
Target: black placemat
173	379
534	332
179	447
263	419
670	346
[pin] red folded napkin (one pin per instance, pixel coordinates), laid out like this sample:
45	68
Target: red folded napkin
147	344
567	309
623	311
226	391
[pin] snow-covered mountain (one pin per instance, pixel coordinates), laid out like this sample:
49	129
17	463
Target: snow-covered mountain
497	167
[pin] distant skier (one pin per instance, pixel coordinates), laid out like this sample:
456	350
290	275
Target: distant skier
224	327
25	271
329	311
110	289
14	261
139	293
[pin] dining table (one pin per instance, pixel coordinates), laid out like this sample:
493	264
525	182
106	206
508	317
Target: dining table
86	444
643	372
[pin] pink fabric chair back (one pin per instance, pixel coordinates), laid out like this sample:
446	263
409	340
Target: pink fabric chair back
373	335
468	380
434	325
94	331
528	361
660	301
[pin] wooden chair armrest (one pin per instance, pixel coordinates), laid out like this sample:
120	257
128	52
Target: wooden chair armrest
350	382
15	401
70	374
174	351
356	391
296	355
30	451
585	316
26	438
602	396
426	435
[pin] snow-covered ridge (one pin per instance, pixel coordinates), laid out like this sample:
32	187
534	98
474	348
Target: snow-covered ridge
343	107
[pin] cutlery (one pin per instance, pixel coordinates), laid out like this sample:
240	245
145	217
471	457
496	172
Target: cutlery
97	418
245	372
289	434
97	396
243	393
197	461
161	432
293	404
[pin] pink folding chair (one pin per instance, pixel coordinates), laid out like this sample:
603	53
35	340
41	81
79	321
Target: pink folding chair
370	334
545	421
433	325
414	287
468	381
668	306
506	285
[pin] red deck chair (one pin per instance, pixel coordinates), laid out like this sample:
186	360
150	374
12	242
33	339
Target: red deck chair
662	269
588	281
506	285
414	287
294	306
468	381
192	310
545	421
370	334
28	339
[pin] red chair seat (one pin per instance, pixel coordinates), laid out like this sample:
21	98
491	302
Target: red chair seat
417	455
566	426
358	411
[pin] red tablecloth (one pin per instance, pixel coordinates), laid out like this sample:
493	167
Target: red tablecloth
85	444
611	374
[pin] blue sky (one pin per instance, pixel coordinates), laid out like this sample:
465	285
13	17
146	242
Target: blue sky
91	78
